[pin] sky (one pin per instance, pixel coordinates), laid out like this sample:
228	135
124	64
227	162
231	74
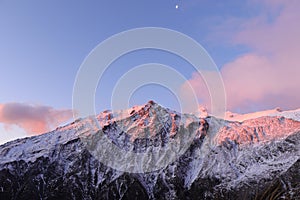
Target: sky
255	44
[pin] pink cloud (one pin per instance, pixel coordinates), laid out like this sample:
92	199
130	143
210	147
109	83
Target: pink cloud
34	119
269	75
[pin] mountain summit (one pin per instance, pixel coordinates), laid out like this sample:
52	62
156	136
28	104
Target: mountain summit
151	152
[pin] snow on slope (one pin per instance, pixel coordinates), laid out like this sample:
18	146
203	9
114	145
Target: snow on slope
235	154
257	130
291	114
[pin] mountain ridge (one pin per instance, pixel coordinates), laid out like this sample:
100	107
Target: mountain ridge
215	165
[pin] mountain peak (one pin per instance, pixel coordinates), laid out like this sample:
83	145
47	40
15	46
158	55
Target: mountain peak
223	160
146	119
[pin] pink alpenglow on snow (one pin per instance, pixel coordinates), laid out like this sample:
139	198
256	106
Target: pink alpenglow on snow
261	129
230	116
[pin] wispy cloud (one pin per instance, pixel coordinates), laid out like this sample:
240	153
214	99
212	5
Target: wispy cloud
34	119
267	76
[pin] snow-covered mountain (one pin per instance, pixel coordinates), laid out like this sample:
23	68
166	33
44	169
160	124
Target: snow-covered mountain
291	114
203	158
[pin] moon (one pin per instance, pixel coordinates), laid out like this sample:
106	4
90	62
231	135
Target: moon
176	6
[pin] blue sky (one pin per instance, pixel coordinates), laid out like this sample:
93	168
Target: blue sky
44	43
255	45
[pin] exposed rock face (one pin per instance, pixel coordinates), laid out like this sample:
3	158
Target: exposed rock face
258	130
221	162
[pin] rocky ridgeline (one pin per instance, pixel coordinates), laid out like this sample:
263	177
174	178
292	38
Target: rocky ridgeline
258	158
